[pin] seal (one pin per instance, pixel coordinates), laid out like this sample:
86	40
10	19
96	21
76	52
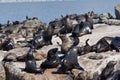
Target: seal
81	29
67	43
52	61
107	71
70	62
47	35
101	46
115	44
38	41
115	75
30	63
8	45
84	49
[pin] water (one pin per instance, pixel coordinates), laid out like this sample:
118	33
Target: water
47	11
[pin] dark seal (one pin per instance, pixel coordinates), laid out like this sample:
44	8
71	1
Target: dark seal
107	71
70	62
52	61
30	63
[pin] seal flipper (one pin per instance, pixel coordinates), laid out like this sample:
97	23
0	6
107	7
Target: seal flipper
77	66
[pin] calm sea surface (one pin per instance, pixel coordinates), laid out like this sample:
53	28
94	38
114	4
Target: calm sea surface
47	11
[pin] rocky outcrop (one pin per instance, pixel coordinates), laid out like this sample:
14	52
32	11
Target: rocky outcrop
117	11
14	71
92	63
19	54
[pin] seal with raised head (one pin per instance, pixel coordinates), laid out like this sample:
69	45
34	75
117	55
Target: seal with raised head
53	59
30	63
70	62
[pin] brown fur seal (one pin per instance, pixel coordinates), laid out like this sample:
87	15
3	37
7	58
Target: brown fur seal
70	62
85	49
67	43
107	71
101	46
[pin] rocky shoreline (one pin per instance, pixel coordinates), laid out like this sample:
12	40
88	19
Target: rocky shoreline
92	62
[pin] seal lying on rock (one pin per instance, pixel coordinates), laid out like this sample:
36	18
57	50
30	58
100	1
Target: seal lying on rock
70	62
101	46
30	63
82	29
8	45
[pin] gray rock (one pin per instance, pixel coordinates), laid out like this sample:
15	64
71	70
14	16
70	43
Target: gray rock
14	71
2	72
20	54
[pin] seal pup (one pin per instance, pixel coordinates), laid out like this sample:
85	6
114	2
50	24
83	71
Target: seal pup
70	62
30	63
53	59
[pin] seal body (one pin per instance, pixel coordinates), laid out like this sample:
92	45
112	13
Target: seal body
115	44
8	45
67	43
70	61
81	29
52	61
30	63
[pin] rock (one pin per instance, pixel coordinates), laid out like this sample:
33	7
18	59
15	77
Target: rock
2	54
20	54
93	65
113	22
2	72
117	11
14	71
39	55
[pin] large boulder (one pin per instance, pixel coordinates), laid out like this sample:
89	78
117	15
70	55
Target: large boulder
92	63
117	11
20	54
2	72
14	71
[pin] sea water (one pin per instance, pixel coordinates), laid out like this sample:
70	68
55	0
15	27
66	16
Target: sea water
47	11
